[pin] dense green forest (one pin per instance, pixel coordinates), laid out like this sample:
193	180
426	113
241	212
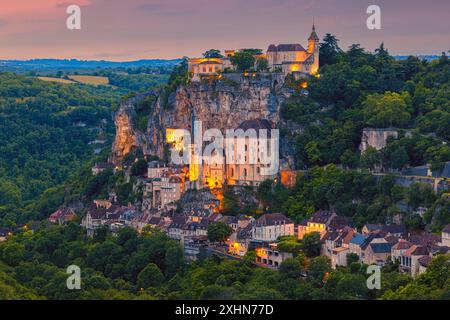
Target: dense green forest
150	266
48	132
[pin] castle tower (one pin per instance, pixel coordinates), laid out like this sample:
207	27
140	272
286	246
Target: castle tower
313	48
313	41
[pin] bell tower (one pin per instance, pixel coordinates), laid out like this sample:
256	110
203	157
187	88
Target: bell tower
313	41
313	49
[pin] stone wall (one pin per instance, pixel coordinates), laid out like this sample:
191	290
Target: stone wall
376	138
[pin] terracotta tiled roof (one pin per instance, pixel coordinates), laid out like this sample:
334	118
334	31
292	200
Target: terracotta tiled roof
416	251
402	245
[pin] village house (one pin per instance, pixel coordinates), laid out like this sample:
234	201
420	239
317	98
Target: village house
319	222
93	219
100	167
393	229
231	221
408	255
270	226
269	255
336	239
377	252
356	243
105	213
445	242
62	216
175	229
195	229
164	191
239	240
410	259
423	264
200	68
156	169
193	246
339	257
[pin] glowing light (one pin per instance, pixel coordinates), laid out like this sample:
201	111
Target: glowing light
304	84
194	172
259	252
175	139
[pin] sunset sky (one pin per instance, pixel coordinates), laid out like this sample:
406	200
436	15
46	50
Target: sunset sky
144	29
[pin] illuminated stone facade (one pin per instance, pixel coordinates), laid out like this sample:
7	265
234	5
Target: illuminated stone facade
293	58
240	168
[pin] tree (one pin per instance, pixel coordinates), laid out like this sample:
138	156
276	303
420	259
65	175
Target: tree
387	110
381	52
370	158
319	269
399	158
294	267
212	53
230	202
311	244
420	194
352	258
262	65
139	168
217	292
150	276
173	260
13	253
219	232
329	50
243	60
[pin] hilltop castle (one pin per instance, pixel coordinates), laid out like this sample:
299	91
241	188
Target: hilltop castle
283	58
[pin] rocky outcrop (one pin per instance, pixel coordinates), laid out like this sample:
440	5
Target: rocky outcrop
376	138
218	104
127	136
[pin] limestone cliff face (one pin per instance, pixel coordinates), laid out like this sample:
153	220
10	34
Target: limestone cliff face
127	136
222	105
